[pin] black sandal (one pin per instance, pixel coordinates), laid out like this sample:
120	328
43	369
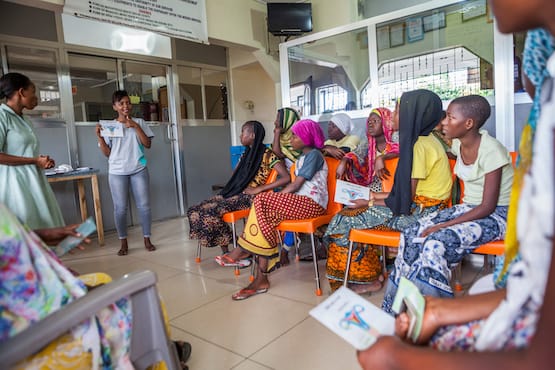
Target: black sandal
183	352
123	252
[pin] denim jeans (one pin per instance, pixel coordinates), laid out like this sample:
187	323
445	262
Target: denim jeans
119	187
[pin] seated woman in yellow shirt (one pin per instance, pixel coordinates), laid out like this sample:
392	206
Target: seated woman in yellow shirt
340	141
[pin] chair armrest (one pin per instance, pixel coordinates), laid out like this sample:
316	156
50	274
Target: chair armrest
34	338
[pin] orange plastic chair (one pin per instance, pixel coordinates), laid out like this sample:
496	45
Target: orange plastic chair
309	226
234	216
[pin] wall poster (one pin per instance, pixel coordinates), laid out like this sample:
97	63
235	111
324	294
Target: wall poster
184	19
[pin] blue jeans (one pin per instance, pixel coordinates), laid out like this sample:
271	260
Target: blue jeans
119	187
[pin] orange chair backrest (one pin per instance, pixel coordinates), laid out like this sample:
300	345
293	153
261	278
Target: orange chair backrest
332	163
391	166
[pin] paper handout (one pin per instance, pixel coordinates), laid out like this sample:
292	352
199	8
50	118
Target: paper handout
345	192
111	129
353	318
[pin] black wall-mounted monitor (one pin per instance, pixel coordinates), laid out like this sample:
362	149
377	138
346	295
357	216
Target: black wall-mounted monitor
286	19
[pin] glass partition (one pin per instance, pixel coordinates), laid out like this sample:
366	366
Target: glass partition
327	75
93	80
215	90
190	91
40	66
145	83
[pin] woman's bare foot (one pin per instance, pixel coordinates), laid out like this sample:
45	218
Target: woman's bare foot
148	245
124	248
225	249
284	257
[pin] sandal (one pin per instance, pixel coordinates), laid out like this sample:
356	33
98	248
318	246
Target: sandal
247	293
226	261
183	352
123	252
150	248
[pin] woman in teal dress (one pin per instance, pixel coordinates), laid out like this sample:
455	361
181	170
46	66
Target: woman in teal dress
24	188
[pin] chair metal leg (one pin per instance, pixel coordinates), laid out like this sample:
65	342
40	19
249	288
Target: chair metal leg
237	272
457	276
348	266
297	247
315	260
253	268
384	260
197	259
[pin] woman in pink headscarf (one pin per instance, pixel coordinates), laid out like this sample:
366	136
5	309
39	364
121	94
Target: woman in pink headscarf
369	170
305	197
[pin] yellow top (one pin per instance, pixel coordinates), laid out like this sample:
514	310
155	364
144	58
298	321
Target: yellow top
349	141
430	166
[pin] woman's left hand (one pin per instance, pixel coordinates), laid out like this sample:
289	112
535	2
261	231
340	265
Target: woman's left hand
53	236
431	230
381	355
251	190
129	122
358	203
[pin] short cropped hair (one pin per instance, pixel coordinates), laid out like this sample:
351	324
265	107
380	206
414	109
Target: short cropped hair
475	107
118	95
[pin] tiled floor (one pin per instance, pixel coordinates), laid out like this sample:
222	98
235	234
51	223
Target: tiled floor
269	331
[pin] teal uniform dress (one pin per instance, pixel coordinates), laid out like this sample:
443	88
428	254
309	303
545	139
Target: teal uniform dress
24	189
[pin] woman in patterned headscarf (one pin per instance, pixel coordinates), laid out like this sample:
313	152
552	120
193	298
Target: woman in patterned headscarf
281	145
381	143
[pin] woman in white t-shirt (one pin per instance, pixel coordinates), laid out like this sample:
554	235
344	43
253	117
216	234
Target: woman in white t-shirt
127	168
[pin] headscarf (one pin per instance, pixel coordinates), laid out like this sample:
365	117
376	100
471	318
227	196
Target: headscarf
310	133
361	171
248	165
419	112
287	117
343	122
538	48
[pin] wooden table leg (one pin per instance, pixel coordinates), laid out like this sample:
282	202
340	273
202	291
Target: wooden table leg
97	209
82	200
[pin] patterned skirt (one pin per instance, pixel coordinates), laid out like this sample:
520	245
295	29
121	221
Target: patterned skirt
365	263
267	211
205	219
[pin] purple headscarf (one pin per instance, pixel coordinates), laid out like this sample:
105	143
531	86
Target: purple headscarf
310	133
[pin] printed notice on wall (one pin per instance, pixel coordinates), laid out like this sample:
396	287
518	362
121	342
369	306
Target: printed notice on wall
184	19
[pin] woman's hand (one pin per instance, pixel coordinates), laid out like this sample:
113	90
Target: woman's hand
53	236
252	190
129	123
334	152
381	355
44	161
431	230
341	168
430	322
358	203
98	130
379	168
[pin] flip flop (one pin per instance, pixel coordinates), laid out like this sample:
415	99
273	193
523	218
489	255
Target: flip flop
123	252
183	351
226	261
247	293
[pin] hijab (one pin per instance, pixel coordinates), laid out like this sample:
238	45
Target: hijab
343	123
361	172
287	117
538	48
310	133
419	112
249	164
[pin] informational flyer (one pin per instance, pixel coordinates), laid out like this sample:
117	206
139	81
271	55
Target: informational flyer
111	129
346	192
353	318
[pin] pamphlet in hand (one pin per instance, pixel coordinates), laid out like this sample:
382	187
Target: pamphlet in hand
111	129
345	192
409	299
70	242
353	318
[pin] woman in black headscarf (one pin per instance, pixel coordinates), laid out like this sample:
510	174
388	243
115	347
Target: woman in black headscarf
422	185
248	179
